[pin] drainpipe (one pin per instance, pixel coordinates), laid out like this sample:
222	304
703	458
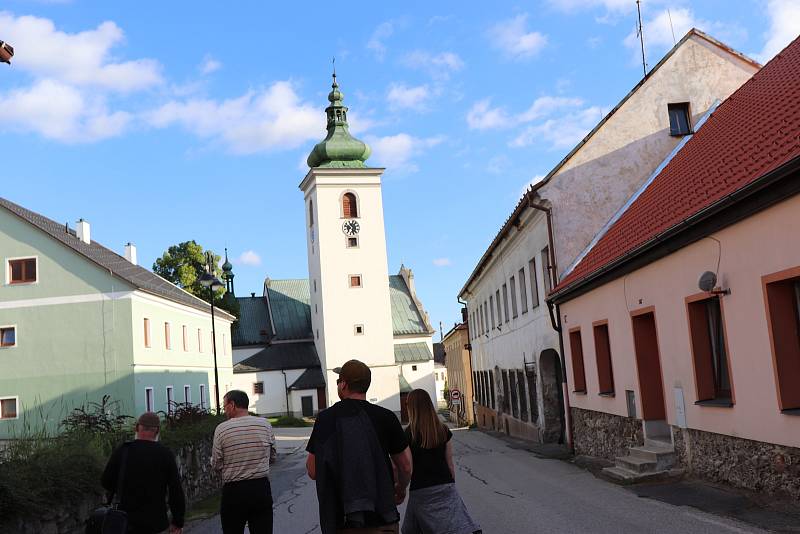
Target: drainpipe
556	320
286	389
469	350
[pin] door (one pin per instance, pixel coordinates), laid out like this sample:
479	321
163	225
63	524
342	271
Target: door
648	365
403	408
321	400
307	403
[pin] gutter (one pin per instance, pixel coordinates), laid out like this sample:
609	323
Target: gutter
566	427
468	346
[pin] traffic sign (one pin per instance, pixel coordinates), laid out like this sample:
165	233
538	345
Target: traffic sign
455	395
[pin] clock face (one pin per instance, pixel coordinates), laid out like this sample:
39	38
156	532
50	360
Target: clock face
351	227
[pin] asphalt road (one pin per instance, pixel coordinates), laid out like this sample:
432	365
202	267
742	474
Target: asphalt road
507	490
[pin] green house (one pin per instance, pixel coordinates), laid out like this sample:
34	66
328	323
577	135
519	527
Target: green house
79	321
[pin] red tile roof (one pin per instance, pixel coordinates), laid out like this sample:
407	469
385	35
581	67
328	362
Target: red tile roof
755	131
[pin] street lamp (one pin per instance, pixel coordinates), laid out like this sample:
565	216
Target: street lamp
207	279
6	52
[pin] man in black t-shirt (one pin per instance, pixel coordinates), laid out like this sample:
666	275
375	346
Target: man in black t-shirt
354	380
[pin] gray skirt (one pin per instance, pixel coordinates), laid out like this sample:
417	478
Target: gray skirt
437	510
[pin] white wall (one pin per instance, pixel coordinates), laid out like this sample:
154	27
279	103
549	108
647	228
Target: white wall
296	403
240	355
273	400
440	374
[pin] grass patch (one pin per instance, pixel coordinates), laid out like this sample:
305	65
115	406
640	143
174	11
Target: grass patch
204	509
289	421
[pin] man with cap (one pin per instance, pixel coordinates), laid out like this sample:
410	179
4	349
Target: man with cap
150	475
359	457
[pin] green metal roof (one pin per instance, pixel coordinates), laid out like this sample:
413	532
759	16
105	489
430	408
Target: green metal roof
289	301
412	352
406	318
253	326
299	355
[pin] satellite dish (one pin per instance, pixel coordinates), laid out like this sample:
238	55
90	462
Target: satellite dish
708	281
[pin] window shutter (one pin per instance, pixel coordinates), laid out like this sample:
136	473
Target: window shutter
701	351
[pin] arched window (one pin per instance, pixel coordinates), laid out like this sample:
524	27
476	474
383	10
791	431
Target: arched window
349	206
310	213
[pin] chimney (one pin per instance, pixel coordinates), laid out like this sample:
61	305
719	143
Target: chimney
83	231
130	253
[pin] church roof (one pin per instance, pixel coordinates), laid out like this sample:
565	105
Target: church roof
339	149
280	356
289	302
412	352
310	379
135	275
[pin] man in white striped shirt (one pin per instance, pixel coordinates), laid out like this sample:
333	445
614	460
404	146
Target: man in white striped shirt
243	448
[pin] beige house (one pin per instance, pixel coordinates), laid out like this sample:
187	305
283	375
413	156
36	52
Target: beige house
682	323
516	352
459	373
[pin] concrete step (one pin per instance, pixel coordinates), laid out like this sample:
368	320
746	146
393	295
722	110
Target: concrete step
661	442
636	464
624	476
664	457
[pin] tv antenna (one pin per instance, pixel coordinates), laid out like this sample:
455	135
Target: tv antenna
640	35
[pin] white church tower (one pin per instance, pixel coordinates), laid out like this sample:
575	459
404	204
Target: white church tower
347	264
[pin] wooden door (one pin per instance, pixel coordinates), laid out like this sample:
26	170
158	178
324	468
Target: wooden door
307	403
403	408
648	365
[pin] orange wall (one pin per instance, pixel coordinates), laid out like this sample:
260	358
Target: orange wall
760	245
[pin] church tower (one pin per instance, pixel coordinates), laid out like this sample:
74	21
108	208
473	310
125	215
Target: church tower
347	263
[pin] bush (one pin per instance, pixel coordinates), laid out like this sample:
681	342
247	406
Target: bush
288	420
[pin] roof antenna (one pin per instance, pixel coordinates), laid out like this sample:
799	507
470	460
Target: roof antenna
674	41
640	35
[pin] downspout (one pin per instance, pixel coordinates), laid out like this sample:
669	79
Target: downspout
286	389
469	350
555	321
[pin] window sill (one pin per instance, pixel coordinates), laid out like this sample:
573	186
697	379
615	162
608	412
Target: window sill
609	394
791	411
581	392
719	403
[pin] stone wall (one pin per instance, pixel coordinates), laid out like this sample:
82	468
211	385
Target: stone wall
744	463
197	477
604	435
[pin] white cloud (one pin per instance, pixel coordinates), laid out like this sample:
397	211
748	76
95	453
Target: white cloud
442	262
381	33
439	66
249	257
610	5
533	181
405	97
210	65
268	119
395	152
563	132
482	116
82	58
498	164
61	112
513	38
784	26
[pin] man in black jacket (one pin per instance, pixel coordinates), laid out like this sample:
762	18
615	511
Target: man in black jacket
150	474
353	452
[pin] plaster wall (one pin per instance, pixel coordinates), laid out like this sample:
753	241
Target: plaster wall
331	262
296	401
440	376
273	400
384	389
744	256
522	338
421	378
240	355
608	169
459	375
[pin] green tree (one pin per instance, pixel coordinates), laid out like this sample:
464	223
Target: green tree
183	265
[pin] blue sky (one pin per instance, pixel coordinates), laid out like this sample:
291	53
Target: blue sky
161	122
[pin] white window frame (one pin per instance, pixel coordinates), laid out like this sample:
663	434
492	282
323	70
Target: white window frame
167	335
350	281
200	340
16	336
147	332
185	335
187	393
170	397
341	204
355	330
203	396
347	241
8	270
16	403
149	399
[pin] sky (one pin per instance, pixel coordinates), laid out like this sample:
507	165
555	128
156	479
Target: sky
161	122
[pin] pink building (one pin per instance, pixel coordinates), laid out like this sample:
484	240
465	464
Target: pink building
681	325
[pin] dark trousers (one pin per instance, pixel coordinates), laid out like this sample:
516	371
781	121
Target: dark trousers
247	502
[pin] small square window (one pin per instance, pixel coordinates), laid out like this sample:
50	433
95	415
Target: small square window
22	271
258	388
8	408
413	367
8	336
679	119
352	242
355	280
359	329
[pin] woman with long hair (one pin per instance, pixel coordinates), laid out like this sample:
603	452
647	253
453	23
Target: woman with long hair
434	505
